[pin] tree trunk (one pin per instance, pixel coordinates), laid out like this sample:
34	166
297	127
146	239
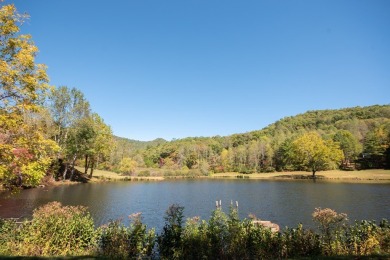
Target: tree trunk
65	171
86	165
97	161
314	173
92	166
73	163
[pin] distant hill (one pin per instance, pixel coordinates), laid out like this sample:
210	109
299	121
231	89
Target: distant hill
330	120
125	147
135	145
262	150
357	120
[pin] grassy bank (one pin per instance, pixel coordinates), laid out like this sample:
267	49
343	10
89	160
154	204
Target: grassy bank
371	176
100	175
335	175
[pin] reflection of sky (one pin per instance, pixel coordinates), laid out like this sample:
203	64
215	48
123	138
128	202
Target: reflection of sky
283	202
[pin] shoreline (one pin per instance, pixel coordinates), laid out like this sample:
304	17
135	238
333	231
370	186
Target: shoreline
363	176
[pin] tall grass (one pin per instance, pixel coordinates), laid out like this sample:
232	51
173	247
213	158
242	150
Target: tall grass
57	230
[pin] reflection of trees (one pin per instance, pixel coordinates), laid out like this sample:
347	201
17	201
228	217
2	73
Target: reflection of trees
282	202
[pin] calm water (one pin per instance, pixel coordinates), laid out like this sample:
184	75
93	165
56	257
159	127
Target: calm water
284	202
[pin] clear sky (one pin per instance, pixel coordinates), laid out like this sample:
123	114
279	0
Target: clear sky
174	69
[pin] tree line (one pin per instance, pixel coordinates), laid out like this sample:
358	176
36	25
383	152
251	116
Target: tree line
352	138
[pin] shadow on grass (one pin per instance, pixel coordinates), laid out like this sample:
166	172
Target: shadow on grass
300	177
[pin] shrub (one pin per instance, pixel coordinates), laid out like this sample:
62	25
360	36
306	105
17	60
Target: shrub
299	242
269	169
145	173
193	173
329	223
10	237
195	242
217	232
119	241
384	237
127	166
169	173
262	243
169	241
57	230
246	170
363	238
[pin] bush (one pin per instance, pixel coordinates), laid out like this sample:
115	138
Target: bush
247	171
169	241
57	230
10	237
366	238
299	242
330	224
169	173
119	241
269	169
145	173
127	166
194	236
54	230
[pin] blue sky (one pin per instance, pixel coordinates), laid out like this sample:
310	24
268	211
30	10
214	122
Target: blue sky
174	69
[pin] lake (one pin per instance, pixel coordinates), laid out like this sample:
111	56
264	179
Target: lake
286	203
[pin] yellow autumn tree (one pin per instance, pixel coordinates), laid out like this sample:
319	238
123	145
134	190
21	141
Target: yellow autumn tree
127	166
25	151
313	153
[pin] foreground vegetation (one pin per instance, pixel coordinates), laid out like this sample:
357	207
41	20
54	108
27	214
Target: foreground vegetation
57	230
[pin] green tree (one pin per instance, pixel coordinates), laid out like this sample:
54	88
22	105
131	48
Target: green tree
127	166
170	241
79	133
349	144
70	112
312	152
100	145
283	156
66	106
225	160
377	140
240	158
79	142
377	147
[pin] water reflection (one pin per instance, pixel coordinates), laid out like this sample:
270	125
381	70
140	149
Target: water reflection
283	202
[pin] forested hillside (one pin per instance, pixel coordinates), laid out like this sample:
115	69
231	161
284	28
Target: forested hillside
128	148
361	133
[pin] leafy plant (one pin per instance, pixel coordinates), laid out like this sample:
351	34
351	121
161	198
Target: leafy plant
57	230
169	241
119	241
329	223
